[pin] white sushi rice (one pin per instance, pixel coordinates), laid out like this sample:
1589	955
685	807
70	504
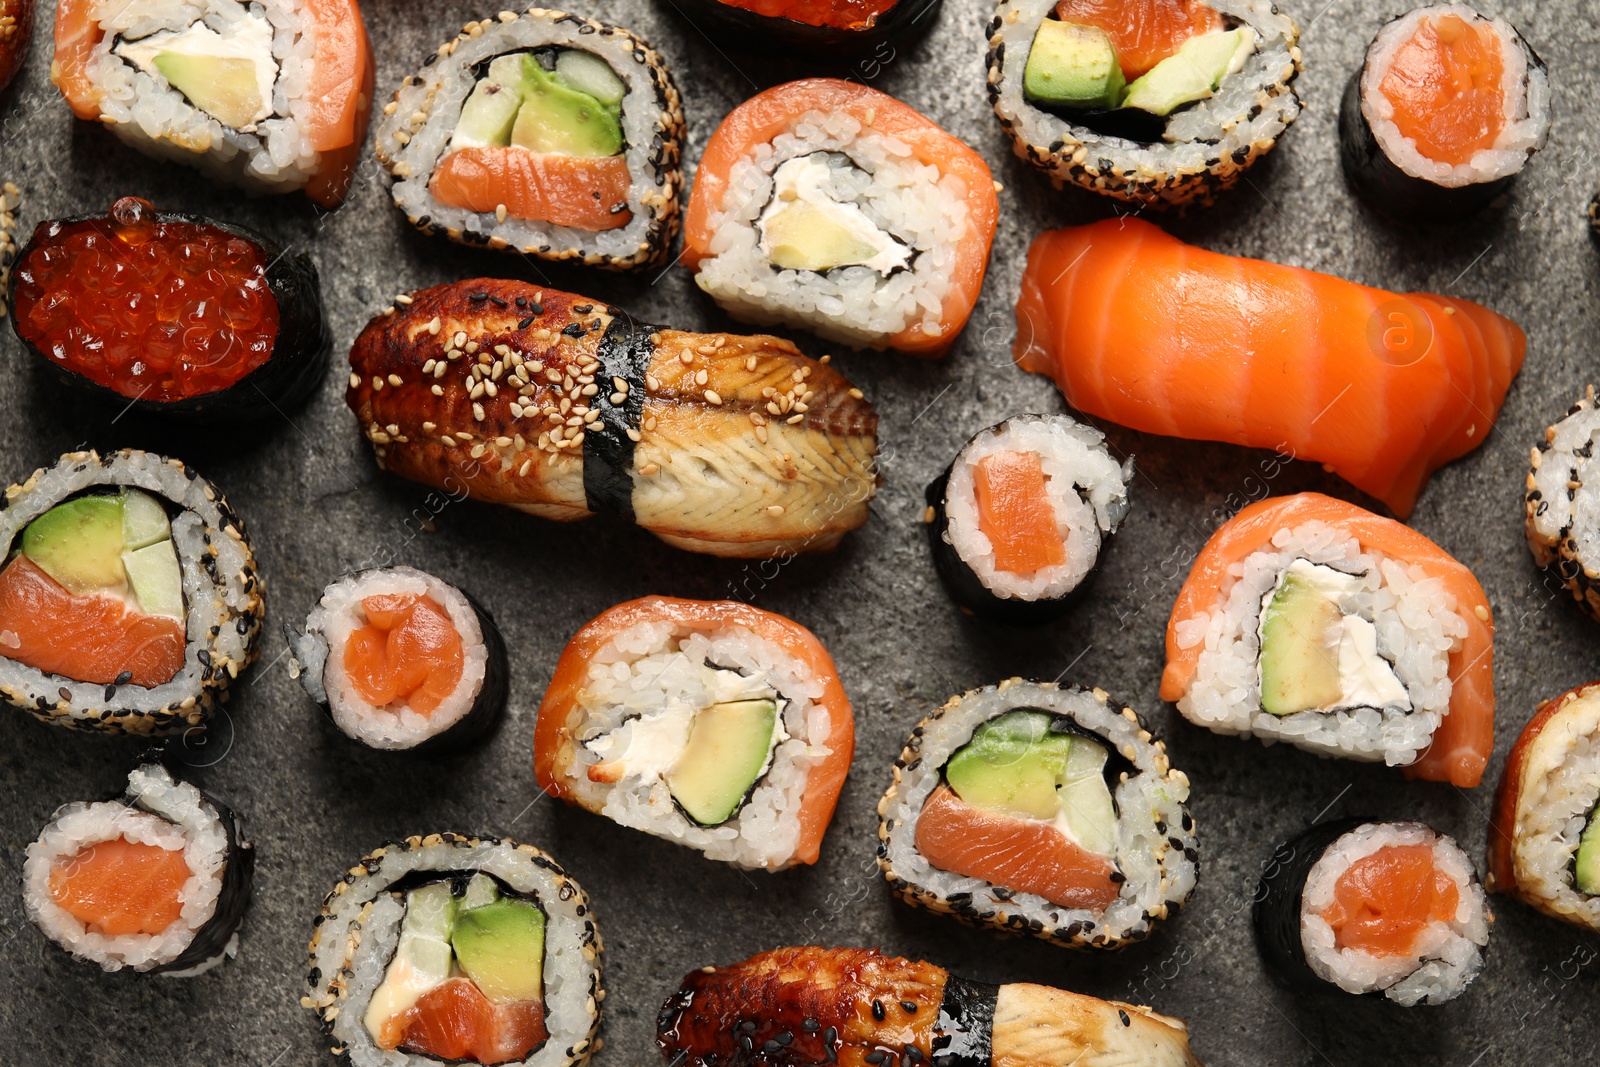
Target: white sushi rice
1566	478
318	658
158	811
1447	955
1417	625
1087	489
1525	86
922	208
650	667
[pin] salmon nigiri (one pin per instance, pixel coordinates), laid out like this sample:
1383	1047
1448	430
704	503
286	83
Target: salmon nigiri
1383	388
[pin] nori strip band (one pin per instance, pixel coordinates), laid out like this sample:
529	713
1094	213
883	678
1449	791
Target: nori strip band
238	871
962	1035
815	45
1276	912
625	353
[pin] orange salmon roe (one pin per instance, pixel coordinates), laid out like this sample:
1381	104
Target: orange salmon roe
1383	902
1444	84
409	653
838	14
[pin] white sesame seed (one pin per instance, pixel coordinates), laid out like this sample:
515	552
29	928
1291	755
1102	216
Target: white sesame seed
620	385
462	435
395	379
429	427
618	399
775	510
500	213
435	326
403	300
651	382
634	435
701	377
857	394
436	390
712	398
355	379
377	384
590	390
477	411
477	451
686	357
522	471
792	419
648	469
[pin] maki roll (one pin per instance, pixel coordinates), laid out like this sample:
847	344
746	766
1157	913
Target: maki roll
1018	519
712	724
1373	908
1161	103
827	30
543	133
456	948
1561	506
1446	110
1310	621
129	600
816	1007
562	406
1544	839
402	660
270	95
1042	810
173	315
16	30
827	206
156	880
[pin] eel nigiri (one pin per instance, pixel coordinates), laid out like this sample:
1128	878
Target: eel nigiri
857	1008
1383	388
1309	620
562	406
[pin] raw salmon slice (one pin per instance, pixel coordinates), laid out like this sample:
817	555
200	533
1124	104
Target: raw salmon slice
409	652
1014	513
1384	901
1144	31
1445	86
540	186
455	1021
118	887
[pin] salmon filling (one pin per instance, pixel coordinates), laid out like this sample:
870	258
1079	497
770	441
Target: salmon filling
1014	513
1383	902
1446	88
1144	31
455	1021
586	194
408	653
117	887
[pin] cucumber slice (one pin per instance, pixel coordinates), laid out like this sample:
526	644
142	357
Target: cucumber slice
588	73
481	890
1085	799
156	580
144	520
423	957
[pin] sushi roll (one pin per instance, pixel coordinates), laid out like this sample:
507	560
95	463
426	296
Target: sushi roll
563	406
1018	519
172	315
270	95
1310	621
1390	909
1446	110
1124	317
817	1007
156	880
1561	506
824	31
402	660
1544	839
1043	810
711	724
129	600
543	133
1161	103
461	949
16	31
827	206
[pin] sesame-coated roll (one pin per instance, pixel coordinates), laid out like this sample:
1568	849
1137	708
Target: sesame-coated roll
1562	503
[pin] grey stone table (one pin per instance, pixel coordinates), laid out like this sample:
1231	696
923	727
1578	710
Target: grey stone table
316	505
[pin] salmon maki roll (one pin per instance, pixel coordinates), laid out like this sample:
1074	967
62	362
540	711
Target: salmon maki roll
563	406
1310	621
270	95
712	724
828	206
1544	838
1382	388
155	881
1032	807
1561	506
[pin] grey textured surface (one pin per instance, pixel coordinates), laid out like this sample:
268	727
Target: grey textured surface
309	492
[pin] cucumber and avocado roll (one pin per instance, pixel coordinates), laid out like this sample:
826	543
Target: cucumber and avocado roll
129	600
1035	808
1562	502
543	133
457	949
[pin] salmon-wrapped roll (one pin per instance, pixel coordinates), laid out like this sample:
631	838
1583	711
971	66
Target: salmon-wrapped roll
562	406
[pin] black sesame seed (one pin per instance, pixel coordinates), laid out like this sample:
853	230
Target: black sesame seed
784	1039
537	309
877	1005
522	301
771	1046
746	1042
1117	877
478	297
679	1058
1125	1020
583	309
574	329
831	1034
810	1025
874	1056
111	691
913	1052
525	323
748	1026
908	1007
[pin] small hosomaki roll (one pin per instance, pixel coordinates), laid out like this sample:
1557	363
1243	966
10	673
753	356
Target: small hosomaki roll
1308	620
715	725
1447	108
1544	839
562	406
817	30
401	660
827	206
461	949
1018	519
1390	908
1562	505
1040	810
543	133
175	315
1158	103
157	880
129	600
854	1007
16	30
270	95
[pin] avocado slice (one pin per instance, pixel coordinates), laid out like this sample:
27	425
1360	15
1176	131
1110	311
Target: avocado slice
556	118
79	544
1073	66
1300	632
1085	799
500	946
803	236
480	890
1586	866
1191	73
422	958
144	520
227	88
1012	765
728	747
156	580
588	73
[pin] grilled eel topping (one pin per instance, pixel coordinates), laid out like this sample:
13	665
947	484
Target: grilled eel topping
562	407
817	1007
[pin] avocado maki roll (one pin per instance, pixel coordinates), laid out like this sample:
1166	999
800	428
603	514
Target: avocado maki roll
1018	519
1038	809
402	660
171	315
1562	503
458	949
129	600
543	133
